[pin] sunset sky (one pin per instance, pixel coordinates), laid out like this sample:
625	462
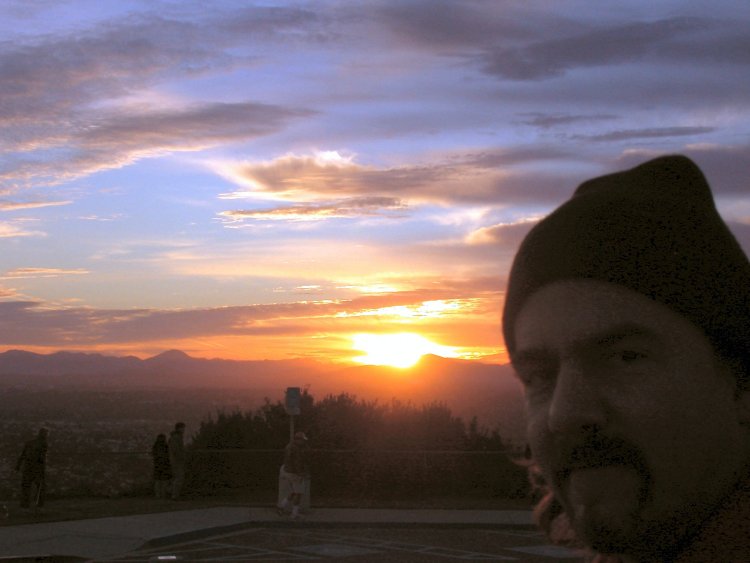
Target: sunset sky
268	180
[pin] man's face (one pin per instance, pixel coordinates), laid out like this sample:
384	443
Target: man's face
635	424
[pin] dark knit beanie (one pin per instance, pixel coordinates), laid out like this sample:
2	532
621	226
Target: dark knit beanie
653	229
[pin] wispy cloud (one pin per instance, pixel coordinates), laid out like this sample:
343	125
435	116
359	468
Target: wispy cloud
119	139
651	133
100	218
17	205
346	208
549	120
66	97
19	273
12	230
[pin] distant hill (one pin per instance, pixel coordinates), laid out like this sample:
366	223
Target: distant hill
469	388
168	369
22	363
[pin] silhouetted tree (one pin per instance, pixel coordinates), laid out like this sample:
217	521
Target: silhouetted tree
375	449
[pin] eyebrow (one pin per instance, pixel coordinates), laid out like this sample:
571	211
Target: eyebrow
622	332
610	337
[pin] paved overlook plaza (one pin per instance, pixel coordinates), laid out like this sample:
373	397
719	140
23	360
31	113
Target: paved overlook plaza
234	533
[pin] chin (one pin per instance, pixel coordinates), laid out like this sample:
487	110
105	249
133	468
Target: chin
644	541
610	541
610	533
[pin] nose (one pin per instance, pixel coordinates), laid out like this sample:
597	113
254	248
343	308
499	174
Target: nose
577	402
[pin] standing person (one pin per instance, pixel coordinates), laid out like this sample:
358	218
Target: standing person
162	467
177	458
627	320
32	464
294	473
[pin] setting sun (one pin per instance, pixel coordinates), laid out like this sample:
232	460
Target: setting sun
400	350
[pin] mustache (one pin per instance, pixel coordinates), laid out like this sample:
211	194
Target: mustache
599	450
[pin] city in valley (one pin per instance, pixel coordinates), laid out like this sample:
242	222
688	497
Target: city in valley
104	413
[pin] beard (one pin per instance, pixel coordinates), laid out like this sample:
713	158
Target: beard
604	484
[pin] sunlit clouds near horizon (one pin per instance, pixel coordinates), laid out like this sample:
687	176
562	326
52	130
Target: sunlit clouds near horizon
252	180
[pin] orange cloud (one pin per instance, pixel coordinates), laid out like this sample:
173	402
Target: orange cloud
320	327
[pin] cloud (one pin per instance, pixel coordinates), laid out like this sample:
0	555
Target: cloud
282	23
670	40
353	207
19	273
118	139
7	293
34	323
465	117
506	234
68	99
6	205
549	120
100	218
650	133
491	176
10	230
55	75
452	27
505	158
303	178
191	128
727	169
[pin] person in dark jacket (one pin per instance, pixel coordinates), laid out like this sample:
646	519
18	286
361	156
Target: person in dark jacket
177	458
162	467
294	472
32	465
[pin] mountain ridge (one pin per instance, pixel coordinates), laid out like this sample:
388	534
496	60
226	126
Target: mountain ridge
469	388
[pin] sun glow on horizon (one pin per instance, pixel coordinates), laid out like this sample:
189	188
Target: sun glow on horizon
399	350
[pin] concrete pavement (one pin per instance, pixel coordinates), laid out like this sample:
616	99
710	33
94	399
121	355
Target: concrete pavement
109	538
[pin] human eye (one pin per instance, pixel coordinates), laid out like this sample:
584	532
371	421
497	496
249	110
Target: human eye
628	347
622	355
630	356
536	373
